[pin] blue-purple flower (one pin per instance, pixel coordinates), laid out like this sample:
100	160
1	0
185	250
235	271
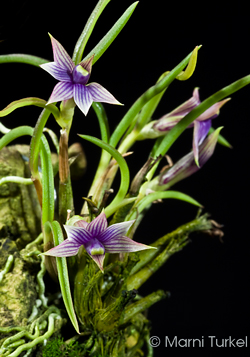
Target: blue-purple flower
186	166
73	80
201	125
97	239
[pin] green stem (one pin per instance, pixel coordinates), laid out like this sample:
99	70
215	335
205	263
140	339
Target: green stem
143	304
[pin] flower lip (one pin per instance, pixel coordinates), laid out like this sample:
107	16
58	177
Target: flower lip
80	75
94	247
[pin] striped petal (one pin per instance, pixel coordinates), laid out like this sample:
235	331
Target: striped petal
81	223
124	245
62	91
187	106
115	231
186	166
82	97
56	71
98	225
66	249
100	94
78	234
61	57
213	111
201	129
98	259
87	64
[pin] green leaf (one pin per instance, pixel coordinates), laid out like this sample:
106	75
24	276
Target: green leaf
14	134
83	39
144	98
20	58
106	41
30	101
63	275
35	143
124	185
221	140
158	195
103	120
47	183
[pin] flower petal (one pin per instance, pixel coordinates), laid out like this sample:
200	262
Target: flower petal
98	259
115	231
78	234
81	223
82	97
186	166
98	225
100	94
62	91
59	73
124	245
201	128
213	111
87	64
187	106
66	249
61	57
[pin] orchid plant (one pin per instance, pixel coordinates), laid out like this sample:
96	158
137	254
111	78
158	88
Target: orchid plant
92	254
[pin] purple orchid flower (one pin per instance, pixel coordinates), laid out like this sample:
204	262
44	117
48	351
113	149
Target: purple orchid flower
73	80
97	239
186	166
201	125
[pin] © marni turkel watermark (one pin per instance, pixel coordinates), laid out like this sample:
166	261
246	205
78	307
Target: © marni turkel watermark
208	341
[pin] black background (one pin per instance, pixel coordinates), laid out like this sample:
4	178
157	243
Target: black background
208	280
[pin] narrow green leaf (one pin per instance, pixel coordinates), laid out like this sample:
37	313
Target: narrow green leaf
21	58
149	199
63	275
83	39
103	120
47	183
183	76
124	185
221	140
14	134
35	142
144	98
30	101
106	41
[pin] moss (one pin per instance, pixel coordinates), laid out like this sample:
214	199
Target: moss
57	348
20	210
17	295
7	247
